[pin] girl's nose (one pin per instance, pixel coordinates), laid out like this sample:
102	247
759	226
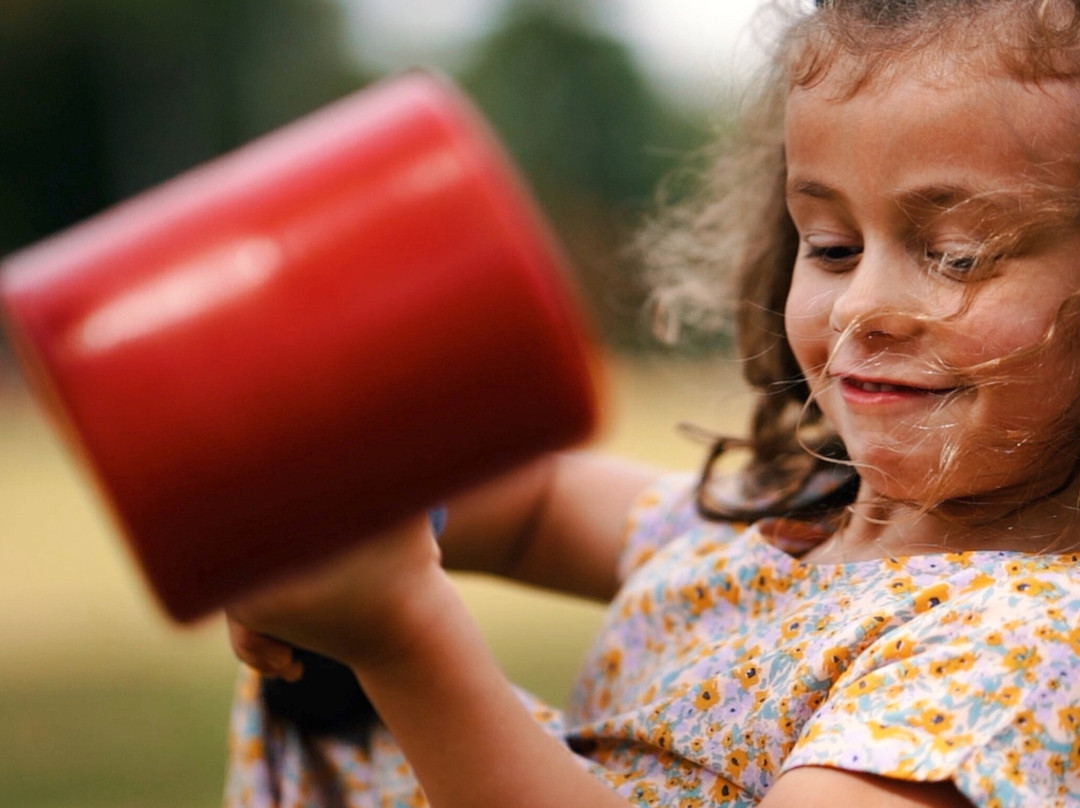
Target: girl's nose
878	299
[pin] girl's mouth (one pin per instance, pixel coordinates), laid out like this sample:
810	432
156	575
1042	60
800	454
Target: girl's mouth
870	388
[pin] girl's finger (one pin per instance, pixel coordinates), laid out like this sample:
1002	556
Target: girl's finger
268	656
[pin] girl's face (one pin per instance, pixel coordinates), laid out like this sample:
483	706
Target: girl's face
938	241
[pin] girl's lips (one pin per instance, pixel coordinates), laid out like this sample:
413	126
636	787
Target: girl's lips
868	389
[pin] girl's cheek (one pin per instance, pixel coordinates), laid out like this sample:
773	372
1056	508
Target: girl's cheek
806	322
990	339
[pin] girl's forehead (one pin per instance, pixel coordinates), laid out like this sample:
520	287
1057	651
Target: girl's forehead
986	135
847	74
935	84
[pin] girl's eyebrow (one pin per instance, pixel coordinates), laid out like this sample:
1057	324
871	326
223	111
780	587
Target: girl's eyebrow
1006	218
1027	208
811	188
937	198
942	198
1017	207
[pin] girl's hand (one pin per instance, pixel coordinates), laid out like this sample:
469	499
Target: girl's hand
366	605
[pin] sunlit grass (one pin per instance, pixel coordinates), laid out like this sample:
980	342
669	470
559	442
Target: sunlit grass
85	744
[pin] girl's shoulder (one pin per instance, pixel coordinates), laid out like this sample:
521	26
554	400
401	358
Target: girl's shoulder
664	511
995	572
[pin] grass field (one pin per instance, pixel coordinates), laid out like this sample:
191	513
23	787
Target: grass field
104	703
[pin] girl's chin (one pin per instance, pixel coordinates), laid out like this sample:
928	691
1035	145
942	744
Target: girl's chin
901	478
938	472
925	489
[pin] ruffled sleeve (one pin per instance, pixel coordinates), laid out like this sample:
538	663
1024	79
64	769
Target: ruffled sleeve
983	690
662	512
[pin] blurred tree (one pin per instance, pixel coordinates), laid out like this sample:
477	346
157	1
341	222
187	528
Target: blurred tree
103	98
592	135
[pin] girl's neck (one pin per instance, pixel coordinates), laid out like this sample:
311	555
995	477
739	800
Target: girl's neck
876	527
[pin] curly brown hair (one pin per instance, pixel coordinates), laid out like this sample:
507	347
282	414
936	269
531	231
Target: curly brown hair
734	240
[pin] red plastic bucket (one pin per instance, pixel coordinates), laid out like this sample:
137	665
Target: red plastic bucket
302	342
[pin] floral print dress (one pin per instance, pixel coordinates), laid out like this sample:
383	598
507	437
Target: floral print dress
725	662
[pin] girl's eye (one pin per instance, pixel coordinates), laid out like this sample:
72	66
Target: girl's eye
837	256
964	266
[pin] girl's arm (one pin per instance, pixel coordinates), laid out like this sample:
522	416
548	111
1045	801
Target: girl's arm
557	523
464	730
389	611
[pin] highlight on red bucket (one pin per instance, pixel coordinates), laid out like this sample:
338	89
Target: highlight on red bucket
304	341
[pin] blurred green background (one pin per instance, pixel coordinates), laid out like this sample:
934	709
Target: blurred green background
102	702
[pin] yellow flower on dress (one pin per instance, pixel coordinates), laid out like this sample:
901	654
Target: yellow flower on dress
1008	695
947	667
799	683
1030	744
1073	638
864	684
699	597
1021	658
723	790
880	732
768	582
1069	718
253	750
735	763
1056	764
1012	770
730	591
1047	633
708	696
835	660
1032	586
662	737
612	663
930	597
796	652
948	744
785	720
748	674
646	794
901	585
765	761
816	699
792	629
898	648
932	720
958	689
980	581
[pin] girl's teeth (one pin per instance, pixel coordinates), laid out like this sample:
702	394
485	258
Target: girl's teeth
875	387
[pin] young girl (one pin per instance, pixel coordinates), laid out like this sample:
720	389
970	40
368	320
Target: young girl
883	608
